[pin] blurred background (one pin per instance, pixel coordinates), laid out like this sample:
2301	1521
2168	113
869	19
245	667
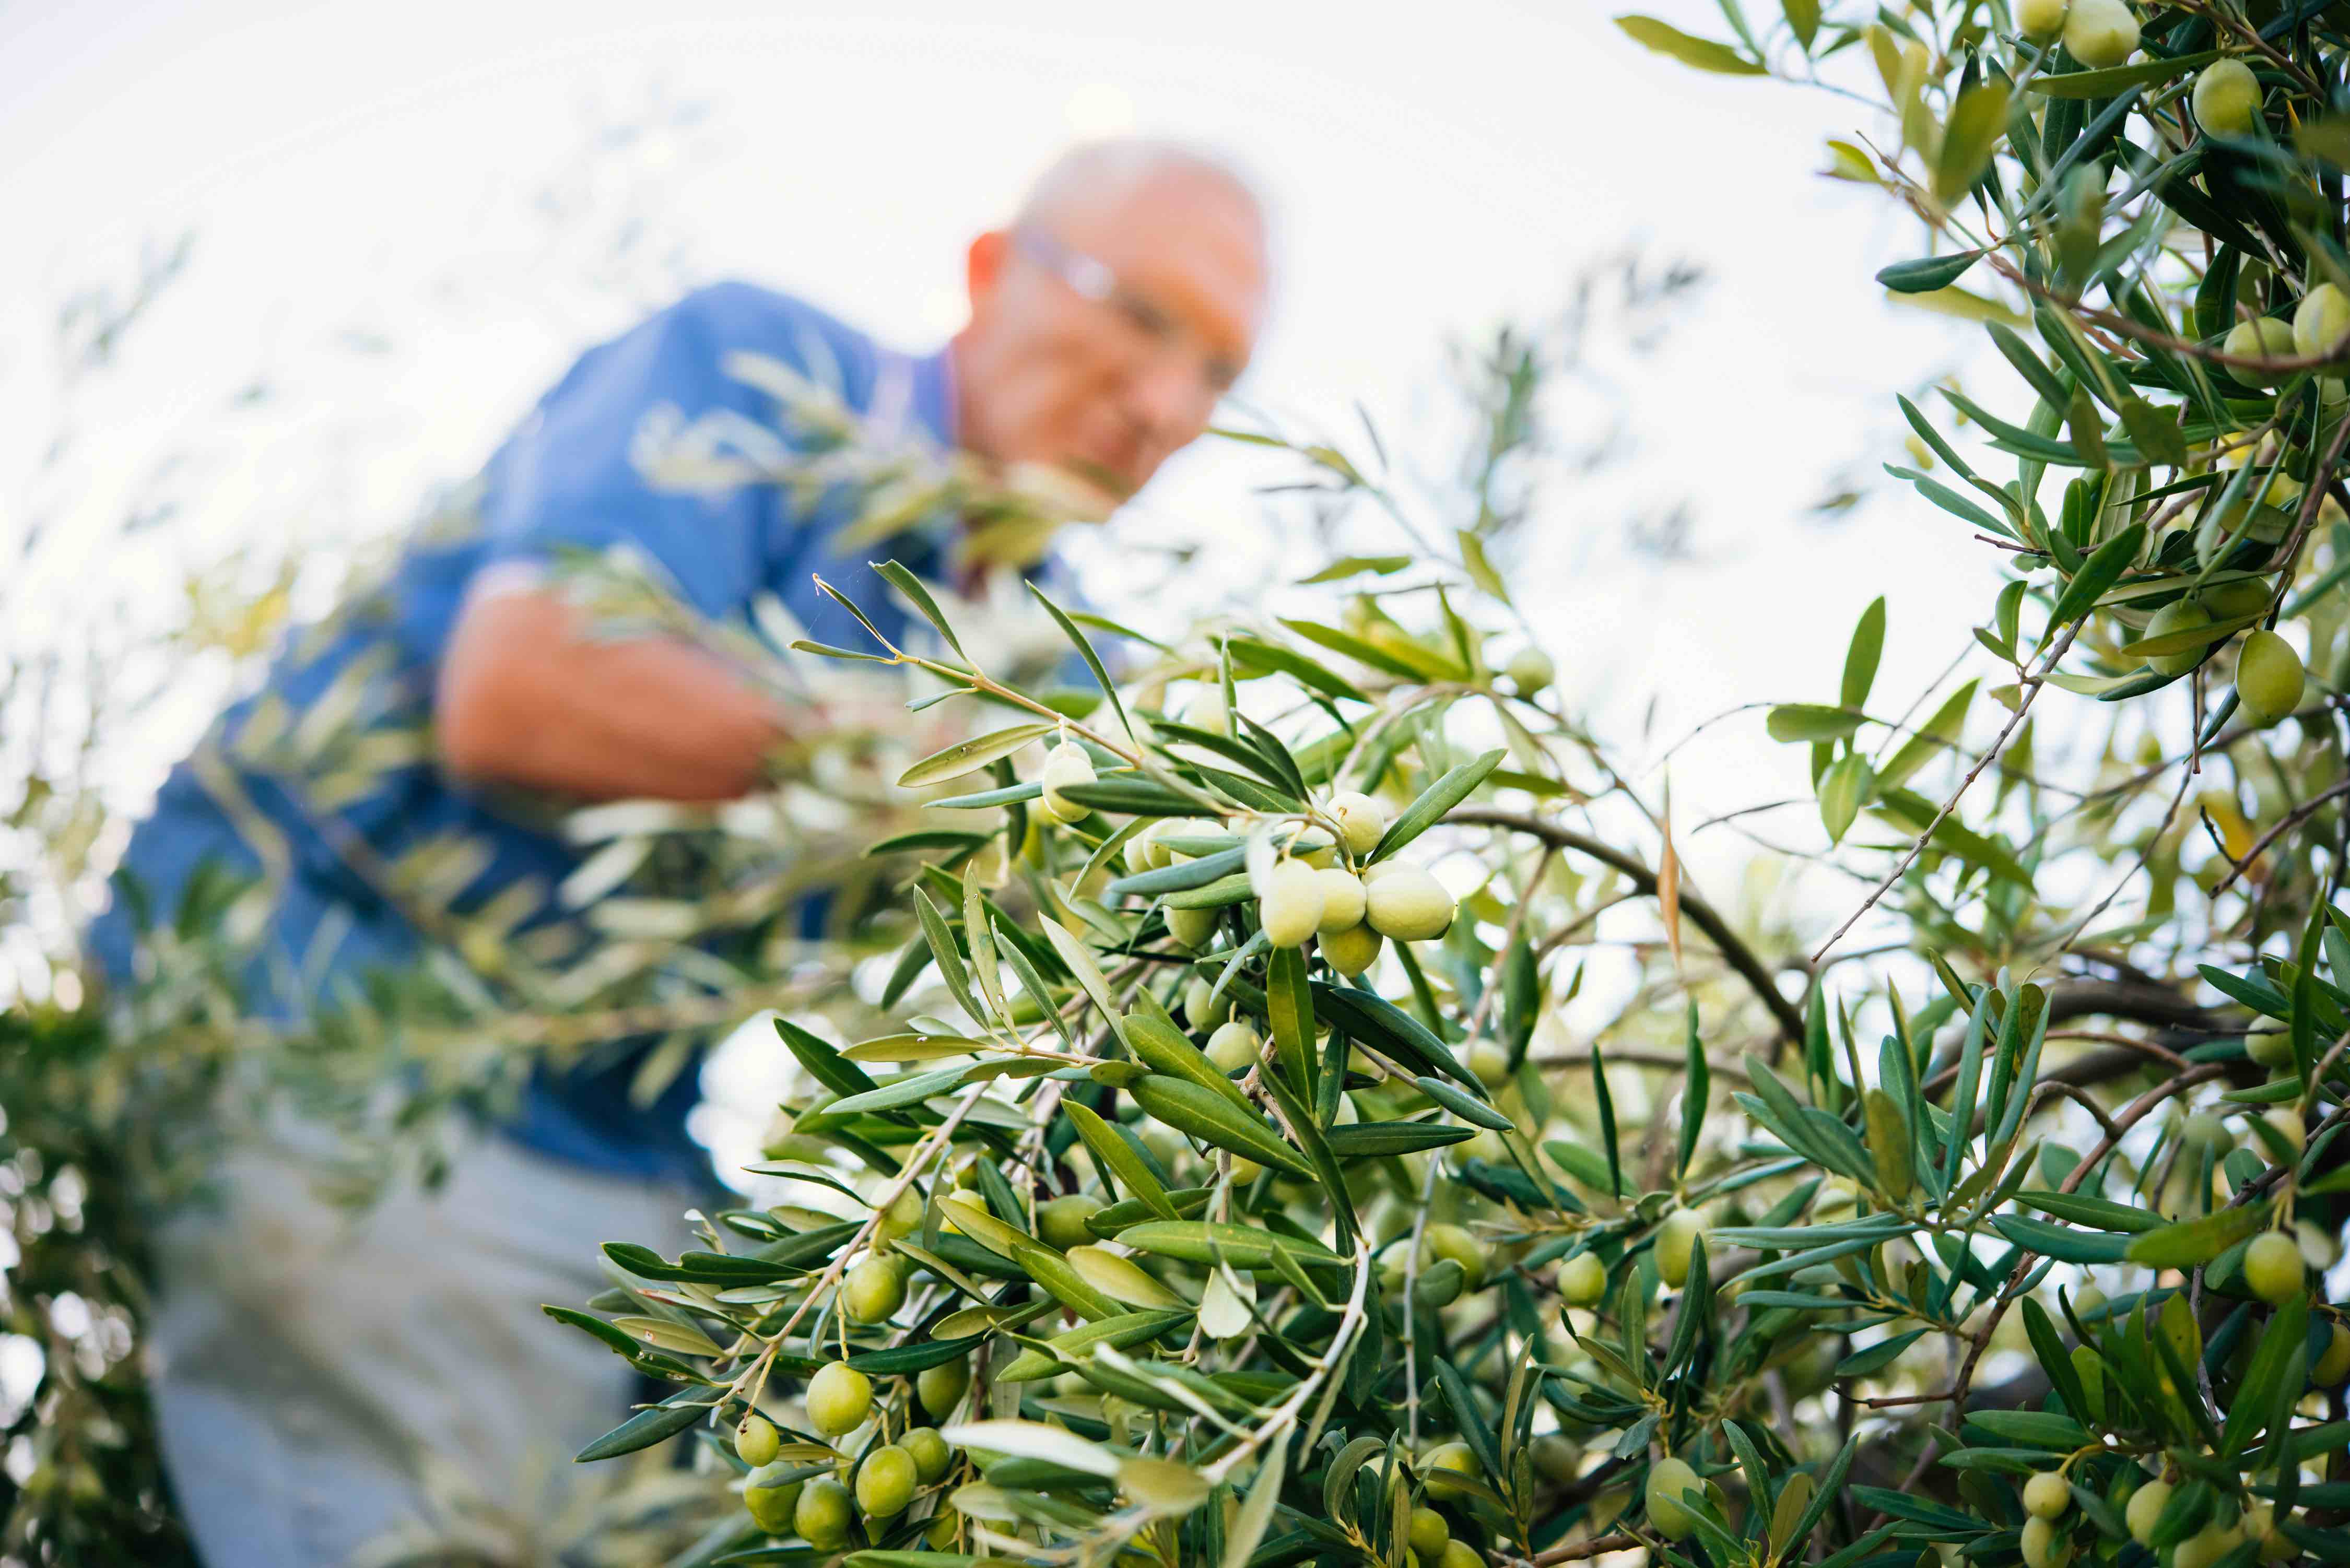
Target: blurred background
278	273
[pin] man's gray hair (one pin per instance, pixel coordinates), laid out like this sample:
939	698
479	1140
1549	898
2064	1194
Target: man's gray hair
1110	169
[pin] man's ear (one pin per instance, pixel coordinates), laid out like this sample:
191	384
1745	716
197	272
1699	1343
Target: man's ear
983	267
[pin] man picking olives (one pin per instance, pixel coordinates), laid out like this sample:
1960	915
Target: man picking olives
315	1371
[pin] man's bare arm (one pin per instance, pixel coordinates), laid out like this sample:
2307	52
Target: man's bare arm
525	698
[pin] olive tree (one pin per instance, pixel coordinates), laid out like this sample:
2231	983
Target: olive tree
1226	1186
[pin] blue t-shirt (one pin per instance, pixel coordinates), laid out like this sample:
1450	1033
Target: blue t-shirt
567	477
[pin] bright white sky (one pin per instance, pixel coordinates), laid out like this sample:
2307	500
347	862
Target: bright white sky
350	172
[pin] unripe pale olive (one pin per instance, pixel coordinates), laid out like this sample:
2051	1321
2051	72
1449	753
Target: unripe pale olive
2090	1300
1530	669
1444	1461
756	1440
2204	1131
2045	1495
2269	677
2044	1545
2230	600
2039	19
1490	1063
1456	1243
2270	1050
1192	928
1343	899
1291	905
2146	1505
772	1506
1234	1045
1676	1241
1353	950
902	1218
2100	32
874	1289
2288	1125
1554	1458
838	1398
1363	819
1062	1222
1066	764
1668	1478
2206	1546
1209	712
1459	1555
1428	1532
2320	321
1407	904
931	1454
2272	1267
941	1387
824	1512
2227	98
1583	1280
2333	1364
1202	1006
2263	337
2181	615
885	1482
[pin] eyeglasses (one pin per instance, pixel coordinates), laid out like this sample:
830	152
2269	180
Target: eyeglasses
1159	331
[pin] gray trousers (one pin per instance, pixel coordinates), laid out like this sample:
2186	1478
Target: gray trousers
333	1388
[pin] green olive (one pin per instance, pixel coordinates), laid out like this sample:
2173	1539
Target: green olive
2206	1546
2040	18
1428	1532
2046	1496
1363	819
1676	1243
2269	677
1233	1046
756	1440
874	1289
2180	615
2227	98
941	1387
885	1482
931	1454
1555	1459
824	1512
1667	1480
2333	1364
1192	928
1456	1243
1407	904
2146	1505
1061	1223
2100	32
838	1398
1343	899
901	1218
2321	321
1201	1006
1290	907
2272	1267
1443	1461
1530	669
2044	1545
1353	950
772	1506
2262	337
1583	1280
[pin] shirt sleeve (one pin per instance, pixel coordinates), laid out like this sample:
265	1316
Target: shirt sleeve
570	478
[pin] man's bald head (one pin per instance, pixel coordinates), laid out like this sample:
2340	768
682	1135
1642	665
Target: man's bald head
1105	174
1108	316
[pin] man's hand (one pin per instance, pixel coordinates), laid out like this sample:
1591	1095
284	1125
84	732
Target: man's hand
525	698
